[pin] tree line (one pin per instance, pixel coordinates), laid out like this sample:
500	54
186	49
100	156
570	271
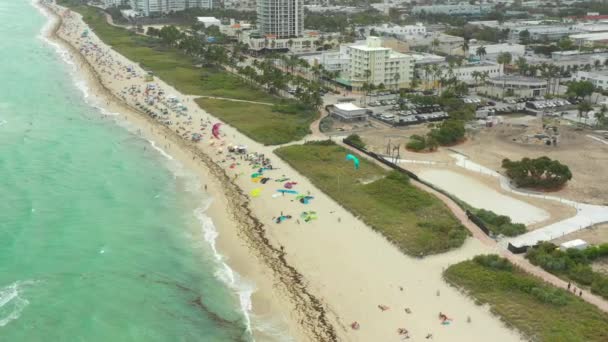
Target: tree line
264	73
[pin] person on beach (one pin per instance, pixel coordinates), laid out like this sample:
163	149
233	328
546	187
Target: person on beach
569	286
355	325
383	307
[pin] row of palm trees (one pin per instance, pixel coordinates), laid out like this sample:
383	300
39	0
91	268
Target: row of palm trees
261	73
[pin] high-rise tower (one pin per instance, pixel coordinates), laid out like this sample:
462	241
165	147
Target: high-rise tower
280	18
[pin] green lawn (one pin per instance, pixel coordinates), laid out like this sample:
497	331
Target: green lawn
270	125
521	301
412	219
169	64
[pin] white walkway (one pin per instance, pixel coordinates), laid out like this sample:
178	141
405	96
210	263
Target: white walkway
586	214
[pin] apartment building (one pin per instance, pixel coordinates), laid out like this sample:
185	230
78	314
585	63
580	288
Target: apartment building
402	32
463	8
148	7
280	18
373	64
598	78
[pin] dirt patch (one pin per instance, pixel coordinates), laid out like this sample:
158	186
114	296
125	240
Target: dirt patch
595	235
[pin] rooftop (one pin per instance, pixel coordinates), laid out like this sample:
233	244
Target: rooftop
347	106
519	79
591	36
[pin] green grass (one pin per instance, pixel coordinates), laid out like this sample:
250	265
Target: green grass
412	219
270	125
170	64
510	293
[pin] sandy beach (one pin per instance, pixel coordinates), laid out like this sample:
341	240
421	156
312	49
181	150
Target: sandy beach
312	278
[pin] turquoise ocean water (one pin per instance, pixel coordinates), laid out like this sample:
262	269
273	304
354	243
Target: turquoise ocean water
101	237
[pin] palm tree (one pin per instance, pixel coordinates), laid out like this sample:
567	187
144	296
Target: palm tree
476	76
465	48
522	65
504	58
584	107
435	71
367	74
427	74
600	116
481	52
434	44
396	79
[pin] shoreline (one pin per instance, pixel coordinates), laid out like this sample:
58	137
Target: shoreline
235	200
327	273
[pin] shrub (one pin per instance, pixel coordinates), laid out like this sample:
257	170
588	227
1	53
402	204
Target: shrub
494	261
449	132
500	224
582	274
600	287
355	140
574	264
537	173
550	295
417	143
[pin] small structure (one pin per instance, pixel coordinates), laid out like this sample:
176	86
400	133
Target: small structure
517	86
576	244
209	21
348	112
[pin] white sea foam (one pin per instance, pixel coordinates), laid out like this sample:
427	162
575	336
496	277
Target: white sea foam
160	150
67	57
3	122
243	288
11	301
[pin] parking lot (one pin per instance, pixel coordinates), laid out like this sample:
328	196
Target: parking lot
400	112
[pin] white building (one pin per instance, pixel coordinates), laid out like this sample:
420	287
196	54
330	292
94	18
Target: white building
463	8
305	43
330	60
335	9
147	7
576	244
466	73
235	29
401	32
598	78
515	86
280	18
209	21
373	64
542	32
348	112
494	50
590	38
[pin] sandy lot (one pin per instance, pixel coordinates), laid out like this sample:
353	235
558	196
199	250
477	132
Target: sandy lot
481	196
489	146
